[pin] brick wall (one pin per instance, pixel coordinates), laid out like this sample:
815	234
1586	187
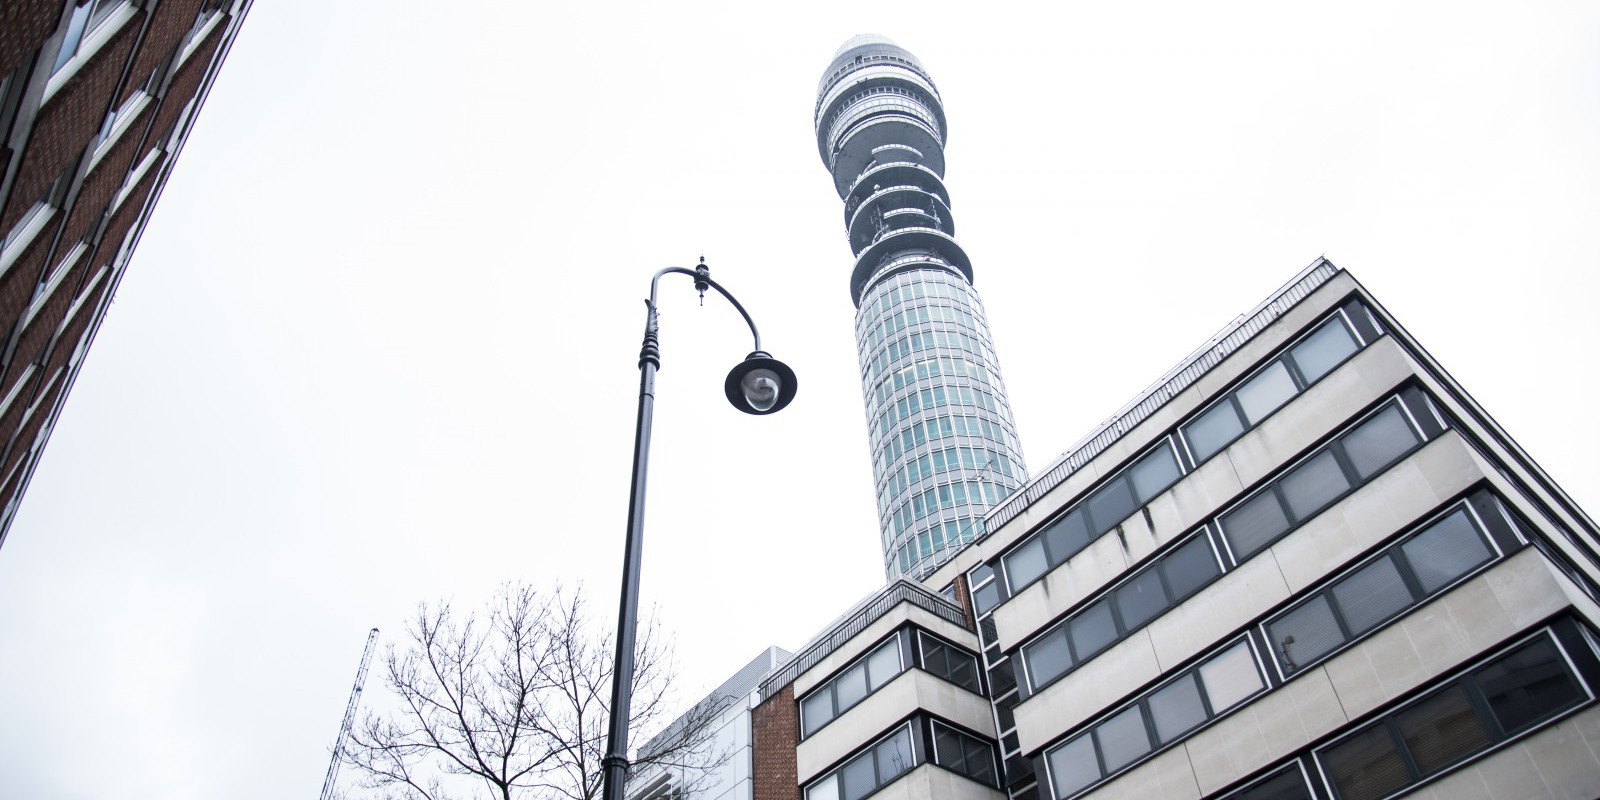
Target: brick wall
774	735
171	21
69	121
24	27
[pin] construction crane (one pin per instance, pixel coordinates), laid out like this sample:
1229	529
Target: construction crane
349	716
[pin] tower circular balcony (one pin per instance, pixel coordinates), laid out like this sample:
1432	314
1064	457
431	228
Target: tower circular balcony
926	248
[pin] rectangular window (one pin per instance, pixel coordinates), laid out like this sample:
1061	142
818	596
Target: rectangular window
966	755
950	663
876	767
1531	684
1353	458
1169	712
1387	585
1170	580
1286	784
851	686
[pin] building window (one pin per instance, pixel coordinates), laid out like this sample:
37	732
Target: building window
873	671
884	761
86	17
1531	684
1288	783
22	233
967	755
1316	482
1147	594
1155	720
1386	586
950	663
1295	496
1314	356
851	686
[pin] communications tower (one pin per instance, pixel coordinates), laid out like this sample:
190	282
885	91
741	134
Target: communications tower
944	446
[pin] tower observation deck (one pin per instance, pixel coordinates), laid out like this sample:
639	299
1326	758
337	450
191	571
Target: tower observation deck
944	446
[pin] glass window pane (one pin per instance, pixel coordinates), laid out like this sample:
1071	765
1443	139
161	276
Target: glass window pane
884	663
1111	505
825	789
1189	567
1441	730
1123	738
1092	629
1378	442
1048	658
947	749
1305	634
1528	685
1141	599
979	761
1212	430
858	778
1286	785
1025	564
851	686
1366	766
817	710
985	599
1154	473
894	756
1177	708
1312	485
1230	677
1323	350
1073	766
1371	595
1445	551
1265	392
1067	536
964	672
1254	525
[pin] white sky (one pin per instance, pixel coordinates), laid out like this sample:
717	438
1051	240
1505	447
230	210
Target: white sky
378	343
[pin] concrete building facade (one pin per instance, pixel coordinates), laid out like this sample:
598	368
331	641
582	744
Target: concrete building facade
1305	564
96	100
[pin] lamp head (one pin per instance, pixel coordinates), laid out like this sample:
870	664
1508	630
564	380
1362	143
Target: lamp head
760	384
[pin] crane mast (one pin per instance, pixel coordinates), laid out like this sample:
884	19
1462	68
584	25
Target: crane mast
349	716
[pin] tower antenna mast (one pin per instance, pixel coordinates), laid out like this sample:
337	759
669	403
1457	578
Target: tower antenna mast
349	716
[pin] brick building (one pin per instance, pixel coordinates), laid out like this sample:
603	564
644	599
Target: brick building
96	100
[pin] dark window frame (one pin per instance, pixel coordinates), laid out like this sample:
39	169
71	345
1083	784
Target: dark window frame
1393	550
1498	738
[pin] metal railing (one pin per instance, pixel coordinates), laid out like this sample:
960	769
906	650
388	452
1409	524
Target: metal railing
854	622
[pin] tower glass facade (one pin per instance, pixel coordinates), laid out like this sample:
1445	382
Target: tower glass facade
944	446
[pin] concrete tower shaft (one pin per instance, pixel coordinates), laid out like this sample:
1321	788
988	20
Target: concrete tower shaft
944	446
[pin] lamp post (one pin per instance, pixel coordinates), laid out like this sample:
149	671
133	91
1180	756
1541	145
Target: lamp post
760	384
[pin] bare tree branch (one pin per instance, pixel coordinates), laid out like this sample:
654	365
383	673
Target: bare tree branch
512	703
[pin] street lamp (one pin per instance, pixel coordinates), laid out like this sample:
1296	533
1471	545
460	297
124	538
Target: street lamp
760	384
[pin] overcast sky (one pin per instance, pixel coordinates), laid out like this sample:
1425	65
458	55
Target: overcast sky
378	343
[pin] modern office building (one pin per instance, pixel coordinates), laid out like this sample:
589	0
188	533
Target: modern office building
1305	564
96	100
717	765
943	443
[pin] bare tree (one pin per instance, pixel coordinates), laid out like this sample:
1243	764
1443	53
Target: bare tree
513	703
